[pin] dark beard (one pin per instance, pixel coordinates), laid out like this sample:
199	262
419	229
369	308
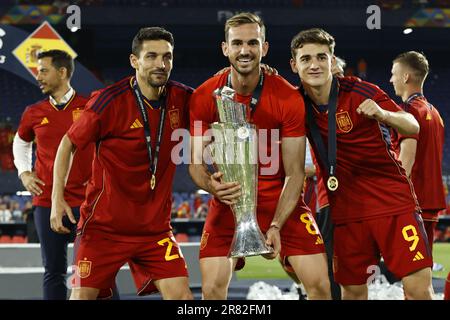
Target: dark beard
157	84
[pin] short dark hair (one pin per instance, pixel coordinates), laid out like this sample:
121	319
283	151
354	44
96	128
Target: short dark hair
245	18
150	33
60	59
314	35
416	61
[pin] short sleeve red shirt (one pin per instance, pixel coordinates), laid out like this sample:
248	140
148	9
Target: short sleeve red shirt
120	203
426	173
279	113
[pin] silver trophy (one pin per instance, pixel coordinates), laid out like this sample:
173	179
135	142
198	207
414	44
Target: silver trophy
235	153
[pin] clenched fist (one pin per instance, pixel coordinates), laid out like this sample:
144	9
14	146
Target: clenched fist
372	110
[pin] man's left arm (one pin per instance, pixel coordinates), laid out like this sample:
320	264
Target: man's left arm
408	145
293	155
408	148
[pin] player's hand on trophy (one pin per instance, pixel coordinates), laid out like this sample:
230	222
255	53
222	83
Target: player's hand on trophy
31	182
226	192
60	208
273	240
372	110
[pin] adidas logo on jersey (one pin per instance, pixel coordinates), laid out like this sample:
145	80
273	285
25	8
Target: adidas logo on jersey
418	256
319	240
136	124
428	117
44	120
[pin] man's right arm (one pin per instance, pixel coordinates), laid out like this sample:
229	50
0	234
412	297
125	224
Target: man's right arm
402	121
22	151
63	163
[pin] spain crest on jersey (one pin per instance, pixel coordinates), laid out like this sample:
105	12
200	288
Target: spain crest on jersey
344	122
76	114
84	268
174	117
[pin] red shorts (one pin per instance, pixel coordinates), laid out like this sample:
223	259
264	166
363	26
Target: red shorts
98	261
299	235
401	241
430	220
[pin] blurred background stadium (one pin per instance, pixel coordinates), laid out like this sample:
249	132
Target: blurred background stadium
103	45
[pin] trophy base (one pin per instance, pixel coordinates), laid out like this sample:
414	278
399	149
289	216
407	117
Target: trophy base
248	241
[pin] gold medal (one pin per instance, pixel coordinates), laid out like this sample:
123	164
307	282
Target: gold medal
332	183
153	182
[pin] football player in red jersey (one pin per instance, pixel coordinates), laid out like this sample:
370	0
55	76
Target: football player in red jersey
126	214
372	201
315	195
421	154
46	122
281	212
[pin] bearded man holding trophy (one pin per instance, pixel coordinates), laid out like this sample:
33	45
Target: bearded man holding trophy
253	124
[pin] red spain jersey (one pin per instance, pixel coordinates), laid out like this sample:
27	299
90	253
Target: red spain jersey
119	202
426	174
280	107
372	182
46	124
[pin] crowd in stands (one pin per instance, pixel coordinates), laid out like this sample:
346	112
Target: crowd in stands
185	205
14	208
18	209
